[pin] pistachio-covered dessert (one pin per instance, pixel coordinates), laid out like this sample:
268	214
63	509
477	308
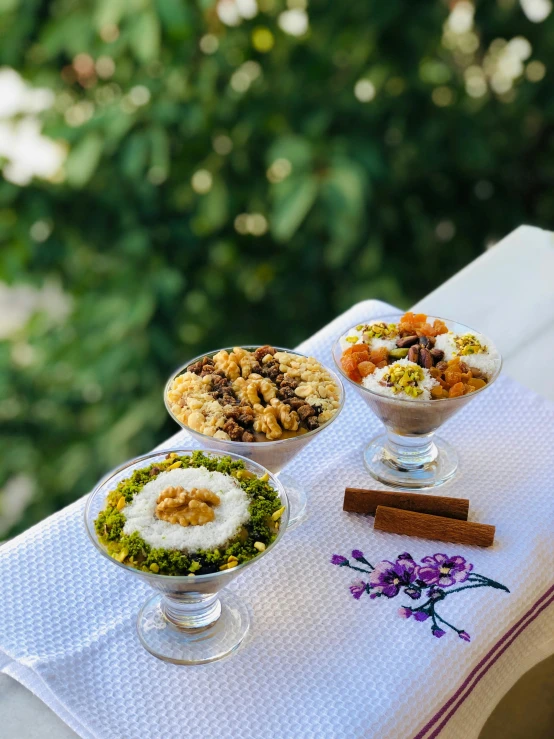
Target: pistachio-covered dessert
259	395
415	359
190	515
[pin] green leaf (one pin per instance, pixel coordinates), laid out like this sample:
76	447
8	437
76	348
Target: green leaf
109	12
293	200
135	155
213	211
297	150
83	160
145	37
344	193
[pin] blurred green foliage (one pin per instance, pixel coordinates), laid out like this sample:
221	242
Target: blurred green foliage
238	184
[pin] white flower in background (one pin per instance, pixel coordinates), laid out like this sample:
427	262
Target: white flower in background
202	181
18	303
536	10
247	8
294	22
15	496
460	19
232	12
364	90
28	154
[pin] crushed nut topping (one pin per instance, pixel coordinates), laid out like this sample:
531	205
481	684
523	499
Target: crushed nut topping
254	395
469	344
404	378
186	507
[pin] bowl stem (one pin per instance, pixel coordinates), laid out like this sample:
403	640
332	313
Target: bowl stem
410	452
191	610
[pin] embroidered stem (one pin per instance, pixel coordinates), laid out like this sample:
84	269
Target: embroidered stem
447	624
434	575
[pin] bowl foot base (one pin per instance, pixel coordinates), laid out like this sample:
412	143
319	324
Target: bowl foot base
193	646
298	501
382	466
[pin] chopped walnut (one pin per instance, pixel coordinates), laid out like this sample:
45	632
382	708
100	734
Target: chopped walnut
196	368
296	403
305	411
233	429
241	394
260	353
186	508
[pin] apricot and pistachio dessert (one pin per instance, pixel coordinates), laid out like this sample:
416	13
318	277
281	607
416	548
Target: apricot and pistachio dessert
190	515
258	395
416	359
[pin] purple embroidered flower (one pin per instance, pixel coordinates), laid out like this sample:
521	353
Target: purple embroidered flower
430	581
358	588
421	616
435	593
338	559
405	555
443	570
388	577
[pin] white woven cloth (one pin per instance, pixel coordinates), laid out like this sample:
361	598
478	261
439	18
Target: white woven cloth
319	662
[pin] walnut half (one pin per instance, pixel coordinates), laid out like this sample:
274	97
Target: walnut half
186	507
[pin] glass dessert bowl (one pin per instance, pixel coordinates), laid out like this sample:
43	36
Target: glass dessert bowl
187	523
265	403
415	372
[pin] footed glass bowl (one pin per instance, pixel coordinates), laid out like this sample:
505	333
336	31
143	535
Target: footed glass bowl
274	455
409	456
189	620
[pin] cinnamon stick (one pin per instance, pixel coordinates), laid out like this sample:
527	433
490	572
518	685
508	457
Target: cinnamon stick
439	528
358	500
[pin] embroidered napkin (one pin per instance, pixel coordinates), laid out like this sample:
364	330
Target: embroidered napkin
325	658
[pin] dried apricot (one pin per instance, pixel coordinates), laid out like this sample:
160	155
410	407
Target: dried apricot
439	327
366	368
381	364
350	366
456	390
476	383
452	377
379	355
425	329
438	392
357	348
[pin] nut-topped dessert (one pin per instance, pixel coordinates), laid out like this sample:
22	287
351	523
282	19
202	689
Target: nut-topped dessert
253	395
187	523
415	372
189	515
417	360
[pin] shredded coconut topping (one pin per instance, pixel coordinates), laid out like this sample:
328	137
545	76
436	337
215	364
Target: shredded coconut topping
230	515
373	382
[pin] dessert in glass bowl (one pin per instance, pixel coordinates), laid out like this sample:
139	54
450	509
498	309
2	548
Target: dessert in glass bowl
262	402
188	523
415	372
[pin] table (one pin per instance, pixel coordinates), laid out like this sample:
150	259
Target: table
514	278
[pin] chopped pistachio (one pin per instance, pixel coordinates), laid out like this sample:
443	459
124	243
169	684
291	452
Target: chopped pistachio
380	330
469	344
405	378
